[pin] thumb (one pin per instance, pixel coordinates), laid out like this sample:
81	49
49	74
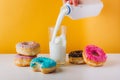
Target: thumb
75	2
64	1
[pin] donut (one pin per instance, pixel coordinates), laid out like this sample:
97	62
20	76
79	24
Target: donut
75	57
23	61
28	48
94	56
43	64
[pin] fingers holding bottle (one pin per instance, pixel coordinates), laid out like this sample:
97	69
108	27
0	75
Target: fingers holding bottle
64	1
73	2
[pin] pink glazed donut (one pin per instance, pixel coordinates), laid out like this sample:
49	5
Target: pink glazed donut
94	56
23	61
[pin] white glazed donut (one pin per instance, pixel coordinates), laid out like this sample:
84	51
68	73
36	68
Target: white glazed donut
28	48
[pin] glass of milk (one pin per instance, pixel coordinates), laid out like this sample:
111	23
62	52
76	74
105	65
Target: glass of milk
57	48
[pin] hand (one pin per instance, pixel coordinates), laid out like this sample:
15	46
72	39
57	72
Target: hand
72	2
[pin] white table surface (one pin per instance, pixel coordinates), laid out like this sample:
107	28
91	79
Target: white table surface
110	71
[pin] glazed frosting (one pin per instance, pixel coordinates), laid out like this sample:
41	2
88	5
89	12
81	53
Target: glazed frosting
44	62
76	53
95	53
29	44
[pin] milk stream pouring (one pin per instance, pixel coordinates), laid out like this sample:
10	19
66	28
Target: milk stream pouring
58	44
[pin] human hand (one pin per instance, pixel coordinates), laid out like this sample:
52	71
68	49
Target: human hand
73	2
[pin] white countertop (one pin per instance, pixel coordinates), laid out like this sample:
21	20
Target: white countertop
110	71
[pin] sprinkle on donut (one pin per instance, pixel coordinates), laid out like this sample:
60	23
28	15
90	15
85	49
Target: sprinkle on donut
29	48
26	51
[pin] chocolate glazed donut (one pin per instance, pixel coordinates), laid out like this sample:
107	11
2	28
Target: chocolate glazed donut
75	57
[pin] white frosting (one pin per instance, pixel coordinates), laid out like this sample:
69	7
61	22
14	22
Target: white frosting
28	48
29	44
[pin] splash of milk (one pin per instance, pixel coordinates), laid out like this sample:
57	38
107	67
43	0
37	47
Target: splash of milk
58	22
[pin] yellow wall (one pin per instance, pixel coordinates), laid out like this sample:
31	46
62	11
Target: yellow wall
26	20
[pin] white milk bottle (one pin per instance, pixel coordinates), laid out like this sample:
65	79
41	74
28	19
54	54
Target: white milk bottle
87	8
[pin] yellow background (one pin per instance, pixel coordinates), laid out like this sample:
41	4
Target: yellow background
28	20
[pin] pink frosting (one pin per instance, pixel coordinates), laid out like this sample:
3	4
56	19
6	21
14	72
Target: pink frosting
95	53
24	57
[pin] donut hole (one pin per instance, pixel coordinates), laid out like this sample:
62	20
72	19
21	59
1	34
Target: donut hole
95	53
25	43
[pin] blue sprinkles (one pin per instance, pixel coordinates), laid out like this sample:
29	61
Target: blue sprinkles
43	61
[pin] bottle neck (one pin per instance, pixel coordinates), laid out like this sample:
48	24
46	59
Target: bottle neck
67	8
